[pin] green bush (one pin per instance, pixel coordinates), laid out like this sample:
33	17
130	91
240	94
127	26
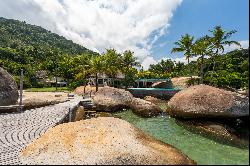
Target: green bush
76	83
26	82
193	81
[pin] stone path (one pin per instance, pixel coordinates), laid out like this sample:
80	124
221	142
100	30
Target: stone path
19	129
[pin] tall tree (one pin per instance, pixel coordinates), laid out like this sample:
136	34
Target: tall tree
185	45
202	47
219	39
129	62
96	66
112	61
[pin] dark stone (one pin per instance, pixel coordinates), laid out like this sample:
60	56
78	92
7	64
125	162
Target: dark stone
8	89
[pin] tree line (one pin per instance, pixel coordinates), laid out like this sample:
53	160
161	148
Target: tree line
34	49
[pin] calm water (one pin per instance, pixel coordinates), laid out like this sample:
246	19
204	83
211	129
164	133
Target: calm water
200	149
161	89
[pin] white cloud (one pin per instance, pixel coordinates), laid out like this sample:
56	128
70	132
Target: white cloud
147	62
99	24
243	43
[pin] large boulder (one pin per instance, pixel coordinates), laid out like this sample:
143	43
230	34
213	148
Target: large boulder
206	101
99	141
8	89
231	133
144	108
182	82
163	84
112	99
154	100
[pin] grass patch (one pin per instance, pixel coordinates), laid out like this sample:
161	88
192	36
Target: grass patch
49	89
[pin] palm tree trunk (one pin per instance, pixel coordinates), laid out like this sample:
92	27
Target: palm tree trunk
189	69
214	63
96	82
56	83
202	74
84	90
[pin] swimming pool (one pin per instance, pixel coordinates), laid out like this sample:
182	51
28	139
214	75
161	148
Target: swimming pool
161	93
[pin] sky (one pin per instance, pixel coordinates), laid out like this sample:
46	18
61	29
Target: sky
147	27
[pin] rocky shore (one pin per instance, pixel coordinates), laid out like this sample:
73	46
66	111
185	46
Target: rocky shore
103	140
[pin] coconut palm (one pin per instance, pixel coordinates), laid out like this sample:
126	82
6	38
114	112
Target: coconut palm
128	59
202	47
96	66
128	64
184	45
219	39
112	61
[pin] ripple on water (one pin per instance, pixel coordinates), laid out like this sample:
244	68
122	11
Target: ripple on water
199	148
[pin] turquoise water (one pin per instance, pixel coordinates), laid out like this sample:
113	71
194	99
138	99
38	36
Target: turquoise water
154	89
202	150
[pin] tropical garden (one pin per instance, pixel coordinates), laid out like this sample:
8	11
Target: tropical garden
34	49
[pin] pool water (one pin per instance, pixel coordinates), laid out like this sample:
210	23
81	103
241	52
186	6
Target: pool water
161	89
201	149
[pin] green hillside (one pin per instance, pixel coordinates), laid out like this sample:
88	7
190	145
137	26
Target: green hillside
16	34
33	48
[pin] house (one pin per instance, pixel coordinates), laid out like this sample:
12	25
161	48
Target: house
43	78
104	79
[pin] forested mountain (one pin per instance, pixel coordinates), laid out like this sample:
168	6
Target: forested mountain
33	48
17	34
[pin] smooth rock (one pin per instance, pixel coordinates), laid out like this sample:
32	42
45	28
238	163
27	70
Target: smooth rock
8	89
220	132
112	99
154	100
99	141
206	101
145	108
163	84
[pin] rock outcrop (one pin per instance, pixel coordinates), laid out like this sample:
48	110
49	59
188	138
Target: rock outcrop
144	108
112	99
209	102
8	89
232	134
163	84
97	141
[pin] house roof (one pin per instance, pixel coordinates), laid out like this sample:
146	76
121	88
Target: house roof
152	80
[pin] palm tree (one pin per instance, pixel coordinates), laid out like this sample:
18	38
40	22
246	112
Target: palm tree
128	62
184	45
128	59
220	39
83	67
96	66
202	47
112	62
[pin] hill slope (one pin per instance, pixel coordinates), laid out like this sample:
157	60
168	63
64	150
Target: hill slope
16	34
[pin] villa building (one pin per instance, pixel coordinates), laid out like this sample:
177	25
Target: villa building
104	79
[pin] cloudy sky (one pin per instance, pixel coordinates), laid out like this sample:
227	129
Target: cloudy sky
147	27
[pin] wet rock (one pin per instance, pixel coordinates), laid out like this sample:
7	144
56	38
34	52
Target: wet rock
144	108
8	89
80	114
218	131
112	99
100	141
206	101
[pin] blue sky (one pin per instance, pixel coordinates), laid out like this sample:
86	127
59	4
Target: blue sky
196	17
